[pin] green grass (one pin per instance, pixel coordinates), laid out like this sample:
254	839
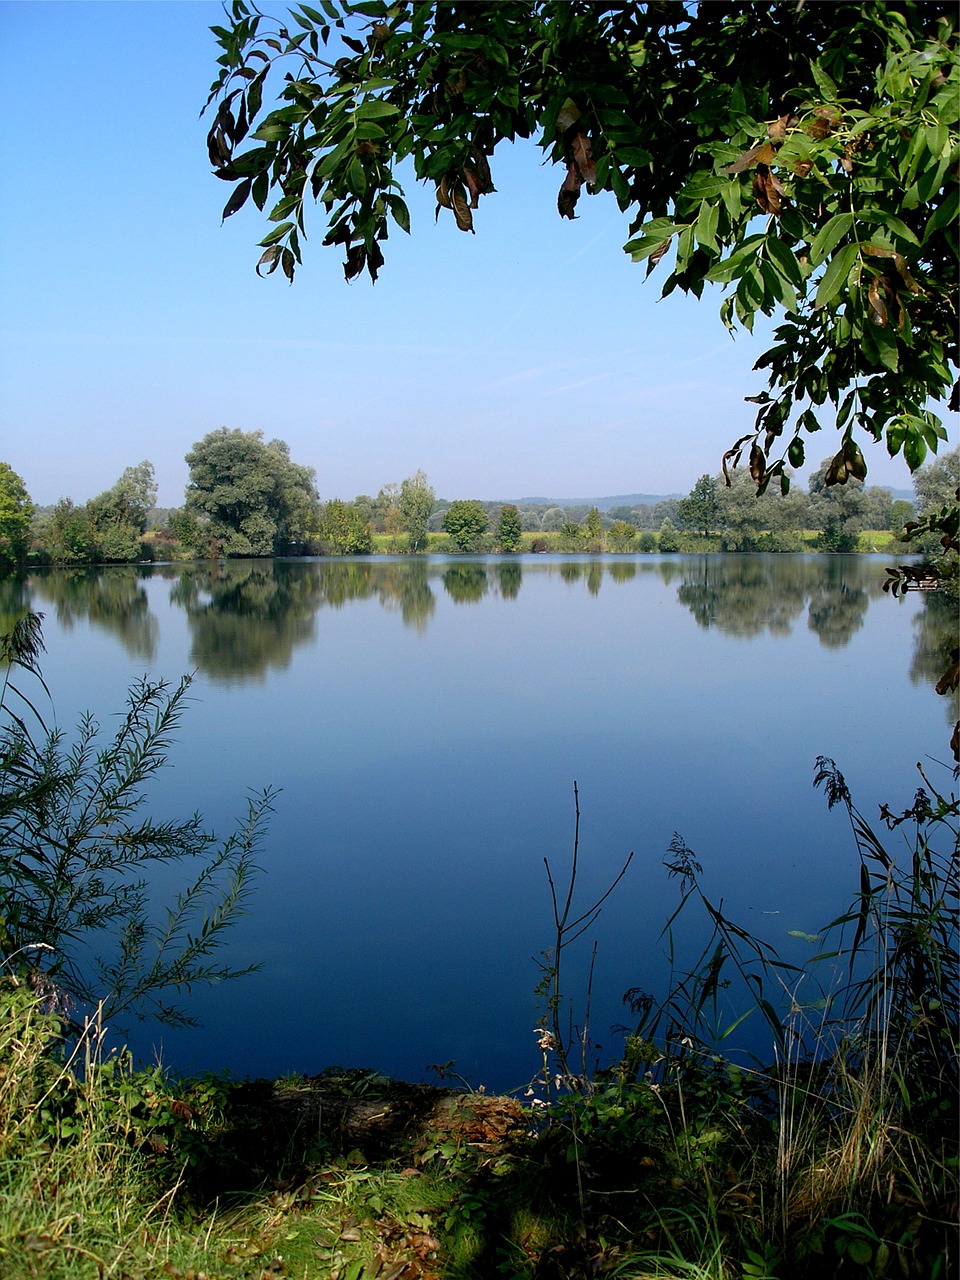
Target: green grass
840	1158
109	1172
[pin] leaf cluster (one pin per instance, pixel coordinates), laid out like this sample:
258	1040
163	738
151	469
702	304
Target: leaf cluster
801	157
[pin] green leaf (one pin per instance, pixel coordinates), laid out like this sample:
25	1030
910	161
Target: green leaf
914	450
708	220
283	207
824	83
356	176
860	1252
945	213
829	236
376	109
270	132
641	249
886	349
276	234
894	224
737	263
835	276
462	40
778	287
784	259
401	214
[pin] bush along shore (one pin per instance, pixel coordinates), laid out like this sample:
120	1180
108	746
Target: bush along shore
839	1158
247	499
834	1154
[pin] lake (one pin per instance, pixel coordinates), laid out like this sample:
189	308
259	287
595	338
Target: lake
426	721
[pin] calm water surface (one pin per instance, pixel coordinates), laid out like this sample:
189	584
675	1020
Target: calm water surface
426	722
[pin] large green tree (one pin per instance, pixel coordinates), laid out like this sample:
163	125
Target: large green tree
800	155
255	500
936	484
16	510
118	516
344	529
65	534
840	515
509	528
416	502
466	522
700	509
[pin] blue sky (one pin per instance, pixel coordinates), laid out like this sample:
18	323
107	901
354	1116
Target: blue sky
527	359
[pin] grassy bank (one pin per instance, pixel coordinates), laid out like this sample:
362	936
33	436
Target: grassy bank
840	1158
711	1174
646	542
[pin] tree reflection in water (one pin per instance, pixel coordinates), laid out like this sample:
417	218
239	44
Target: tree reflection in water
247	616
749	595
111	598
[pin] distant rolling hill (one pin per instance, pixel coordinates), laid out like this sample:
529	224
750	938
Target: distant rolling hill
647	499
602	504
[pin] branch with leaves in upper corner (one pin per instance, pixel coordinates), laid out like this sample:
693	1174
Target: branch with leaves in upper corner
800	156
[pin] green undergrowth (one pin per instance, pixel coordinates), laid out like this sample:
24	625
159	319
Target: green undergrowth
707	1171
836	1157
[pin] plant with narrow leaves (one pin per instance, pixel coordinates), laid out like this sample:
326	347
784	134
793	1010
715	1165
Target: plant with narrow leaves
77	850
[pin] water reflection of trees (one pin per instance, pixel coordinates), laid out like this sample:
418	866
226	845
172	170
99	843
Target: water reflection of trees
111	598
509	575
838	605
246	616
465	583
751	595
14	602
934	644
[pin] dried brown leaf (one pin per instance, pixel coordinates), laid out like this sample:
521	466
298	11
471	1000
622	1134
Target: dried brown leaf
767	190
778	129
837	470
823	122
877	305
356	261
762	153
908	280
583	157
569	192
461	210
734	452
482	169
473	186
270	258
758	463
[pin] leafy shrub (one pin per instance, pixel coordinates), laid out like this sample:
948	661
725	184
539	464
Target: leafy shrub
76	851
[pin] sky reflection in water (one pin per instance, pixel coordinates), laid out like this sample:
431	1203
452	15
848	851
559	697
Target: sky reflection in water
426	722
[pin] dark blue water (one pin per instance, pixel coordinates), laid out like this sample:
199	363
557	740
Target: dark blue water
426	723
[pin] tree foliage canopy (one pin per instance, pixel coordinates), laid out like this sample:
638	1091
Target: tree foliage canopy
257	502
466	522
16	510
118	516
802	156
416	501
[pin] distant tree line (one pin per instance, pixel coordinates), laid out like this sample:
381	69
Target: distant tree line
246	497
